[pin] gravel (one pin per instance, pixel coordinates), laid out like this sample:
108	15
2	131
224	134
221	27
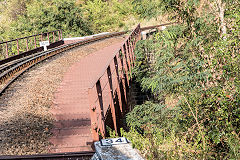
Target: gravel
25	121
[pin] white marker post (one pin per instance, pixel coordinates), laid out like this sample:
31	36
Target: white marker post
115	148
163	27
44	44
114	141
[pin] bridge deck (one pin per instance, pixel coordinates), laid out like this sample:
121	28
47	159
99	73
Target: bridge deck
71	105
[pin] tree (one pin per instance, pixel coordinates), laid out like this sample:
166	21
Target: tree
198	66
44	16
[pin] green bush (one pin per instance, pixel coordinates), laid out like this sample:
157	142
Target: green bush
199	67
44	16
106	15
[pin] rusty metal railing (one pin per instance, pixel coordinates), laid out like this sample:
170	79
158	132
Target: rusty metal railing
24	44
157	26
108	90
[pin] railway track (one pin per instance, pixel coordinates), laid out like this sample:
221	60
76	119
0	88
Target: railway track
9	71
12	70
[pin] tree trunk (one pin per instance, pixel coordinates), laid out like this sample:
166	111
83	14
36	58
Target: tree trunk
221	6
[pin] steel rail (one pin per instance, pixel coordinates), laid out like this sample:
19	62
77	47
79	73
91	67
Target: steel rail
8	65
56	156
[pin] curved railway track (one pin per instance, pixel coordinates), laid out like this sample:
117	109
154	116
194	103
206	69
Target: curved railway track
12	70
9	71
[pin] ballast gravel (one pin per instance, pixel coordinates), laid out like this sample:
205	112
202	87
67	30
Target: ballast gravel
25	121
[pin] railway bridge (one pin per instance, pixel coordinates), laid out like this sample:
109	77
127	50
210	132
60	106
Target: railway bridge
93	92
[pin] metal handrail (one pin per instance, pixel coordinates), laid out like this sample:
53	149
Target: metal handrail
17	46
156	26
101	92
104	69
31	36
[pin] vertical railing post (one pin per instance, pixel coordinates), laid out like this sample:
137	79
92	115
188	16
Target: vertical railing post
35	42
59	38
27	44
6	50
17	46
100	106
134	46
131	51
53	37
130	48
130	54
119	58
48	36
124	75
61	35
93	114
131	44
125	62
118	83
125	47
113	110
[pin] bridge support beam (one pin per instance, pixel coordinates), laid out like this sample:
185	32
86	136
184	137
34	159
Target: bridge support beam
119	96
112	106
100	109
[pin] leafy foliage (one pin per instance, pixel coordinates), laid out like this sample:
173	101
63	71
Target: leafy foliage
199	67
146	8
106	15
75	18
43	16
